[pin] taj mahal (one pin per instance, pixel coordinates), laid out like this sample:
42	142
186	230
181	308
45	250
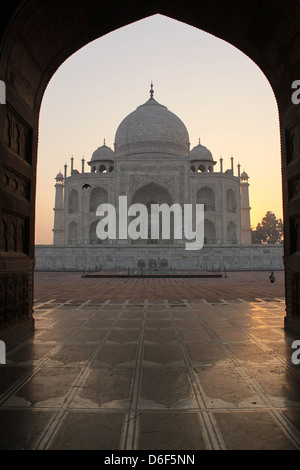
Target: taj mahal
152	162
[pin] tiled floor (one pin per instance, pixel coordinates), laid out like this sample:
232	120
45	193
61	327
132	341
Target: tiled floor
245	285
162	373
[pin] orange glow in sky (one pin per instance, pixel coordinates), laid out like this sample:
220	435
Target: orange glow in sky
222	97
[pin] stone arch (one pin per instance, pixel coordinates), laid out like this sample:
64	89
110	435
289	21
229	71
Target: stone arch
72	233
153	193
209	232
12	237
98	196
102	169
231	233
141	263
152	263
206	196
93	239
230	201
73	202
66	30
3	236
7	131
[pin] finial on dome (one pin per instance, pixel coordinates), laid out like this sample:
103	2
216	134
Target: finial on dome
104	142
151	91
199	141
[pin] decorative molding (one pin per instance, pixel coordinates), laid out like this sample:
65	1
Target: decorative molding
294	188
152	147
14	233
136	181
17	134
15	183
15	297
292	136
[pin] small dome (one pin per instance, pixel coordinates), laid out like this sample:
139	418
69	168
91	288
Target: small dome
152	128
59	176
244	176
103	153
200	153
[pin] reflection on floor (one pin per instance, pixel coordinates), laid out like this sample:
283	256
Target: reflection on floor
164	374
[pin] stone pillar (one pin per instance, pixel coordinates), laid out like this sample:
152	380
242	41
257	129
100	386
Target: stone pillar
58	228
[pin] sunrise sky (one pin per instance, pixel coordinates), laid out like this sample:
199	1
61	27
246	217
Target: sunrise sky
219	93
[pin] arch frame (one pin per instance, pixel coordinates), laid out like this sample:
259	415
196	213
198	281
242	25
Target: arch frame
36	37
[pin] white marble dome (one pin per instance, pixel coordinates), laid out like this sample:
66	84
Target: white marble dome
152	128
103	153
200	152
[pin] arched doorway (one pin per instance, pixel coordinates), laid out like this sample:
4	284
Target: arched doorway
52	31
153	193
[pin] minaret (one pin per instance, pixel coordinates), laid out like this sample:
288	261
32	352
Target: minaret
245	210
221	165
58	229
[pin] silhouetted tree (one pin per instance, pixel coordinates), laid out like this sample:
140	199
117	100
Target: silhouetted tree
268	231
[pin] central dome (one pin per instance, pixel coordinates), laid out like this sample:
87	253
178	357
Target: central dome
152	128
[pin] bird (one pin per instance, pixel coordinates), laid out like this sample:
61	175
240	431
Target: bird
85	186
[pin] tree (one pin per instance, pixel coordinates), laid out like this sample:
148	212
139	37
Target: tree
268	231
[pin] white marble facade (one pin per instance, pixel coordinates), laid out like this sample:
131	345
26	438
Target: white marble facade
152	162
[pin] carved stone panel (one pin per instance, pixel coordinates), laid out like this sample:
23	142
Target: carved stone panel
14	298
17	134
14	233
294	189
136	181
292	135
15	183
